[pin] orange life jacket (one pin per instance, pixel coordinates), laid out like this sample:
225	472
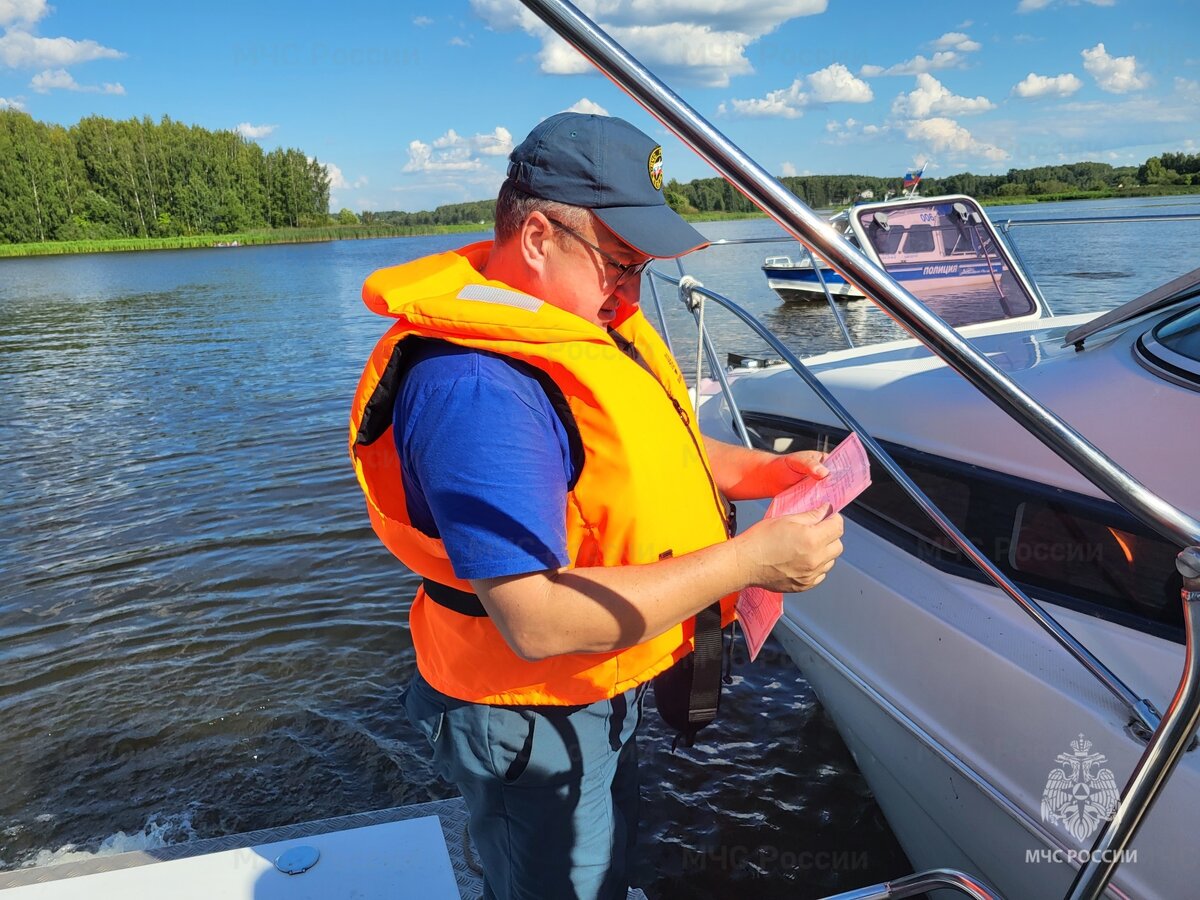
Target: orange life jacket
644	491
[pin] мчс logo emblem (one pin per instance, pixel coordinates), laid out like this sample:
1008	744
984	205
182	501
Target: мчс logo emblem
1079	794
655	166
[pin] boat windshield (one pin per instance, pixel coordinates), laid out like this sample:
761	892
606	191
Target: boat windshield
946	254
1182	335
1172	348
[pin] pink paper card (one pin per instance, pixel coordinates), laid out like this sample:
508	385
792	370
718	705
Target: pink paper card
849	475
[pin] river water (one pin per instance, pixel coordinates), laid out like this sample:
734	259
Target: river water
201	635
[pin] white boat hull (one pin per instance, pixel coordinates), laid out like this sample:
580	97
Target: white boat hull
956	720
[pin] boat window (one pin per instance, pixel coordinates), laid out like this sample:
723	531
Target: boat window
1172	348
1065	548
1182	335
920	239
1054	543
961	240
963	274
887	242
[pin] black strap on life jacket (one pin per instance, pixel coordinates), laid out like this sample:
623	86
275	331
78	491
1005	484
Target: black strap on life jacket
464	603
705	698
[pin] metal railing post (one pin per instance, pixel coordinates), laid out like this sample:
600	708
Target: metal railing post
1161	756
917	885
837	313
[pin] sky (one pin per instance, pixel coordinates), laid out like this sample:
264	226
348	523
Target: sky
417	103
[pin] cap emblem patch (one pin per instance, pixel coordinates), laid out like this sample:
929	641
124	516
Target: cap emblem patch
656	168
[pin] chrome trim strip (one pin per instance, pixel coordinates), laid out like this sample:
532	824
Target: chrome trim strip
1035	828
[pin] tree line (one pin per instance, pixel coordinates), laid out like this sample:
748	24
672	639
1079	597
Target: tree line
823	191
706	195
103	179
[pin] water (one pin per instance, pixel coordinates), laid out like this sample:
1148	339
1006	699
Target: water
202	636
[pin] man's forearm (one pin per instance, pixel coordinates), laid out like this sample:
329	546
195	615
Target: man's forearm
598	609
735	469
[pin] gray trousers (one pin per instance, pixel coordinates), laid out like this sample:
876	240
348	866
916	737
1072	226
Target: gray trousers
552	791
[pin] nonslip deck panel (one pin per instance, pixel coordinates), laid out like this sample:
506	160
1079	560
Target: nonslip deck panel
452	852
404	859
366	855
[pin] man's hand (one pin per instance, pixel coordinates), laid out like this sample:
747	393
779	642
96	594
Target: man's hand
791	553
745	474
780	472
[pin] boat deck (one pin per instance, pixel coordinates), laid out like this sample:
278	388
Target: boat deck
419	851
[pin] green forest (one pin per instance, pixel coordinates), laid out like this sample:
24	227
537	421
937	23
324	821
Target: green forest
103	179
1159	174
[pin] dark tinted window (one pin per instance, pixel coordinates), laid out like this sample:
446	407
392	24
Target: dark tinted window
1181	335
920	239
887	241
1066	548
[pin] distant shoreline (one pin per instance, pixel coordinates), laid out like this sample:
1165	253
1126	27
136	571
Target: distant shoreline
260	238
267	237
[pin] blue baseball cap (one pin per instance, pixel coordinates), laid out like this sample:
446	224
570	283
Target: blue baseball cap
610	167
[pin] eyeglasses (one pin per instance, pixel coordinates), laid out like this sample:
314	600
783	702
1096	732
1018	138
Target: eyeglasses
625	272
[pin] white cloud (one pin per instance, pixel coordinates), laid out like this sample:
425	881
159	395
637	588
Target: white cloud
947	136
1115	74
254	132
787	170
956	40
11	103
1047	86
456	41
931	97
584	105
833	84
852	131
454	153
1034	5
61	80
338	181
422	21
703	41
1188	89
27	12
942	59
20	50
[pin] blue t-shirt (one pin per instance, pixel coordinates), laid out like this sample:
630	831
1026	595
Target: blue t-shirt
485	461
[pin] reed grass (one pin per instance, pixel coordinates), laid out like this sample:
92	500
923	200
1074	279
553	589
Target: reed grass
243	239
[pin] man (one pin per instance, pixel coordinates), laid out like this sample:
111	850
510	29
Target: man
527	446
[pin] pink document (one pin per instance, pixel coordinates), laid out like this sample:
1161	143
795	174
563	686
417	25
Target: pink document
849	475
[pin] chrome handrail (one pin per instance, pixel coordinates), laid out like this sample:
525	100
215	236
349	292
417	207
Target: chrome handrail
915	885
1104	220
837	313
1142	711
1162	755
799	220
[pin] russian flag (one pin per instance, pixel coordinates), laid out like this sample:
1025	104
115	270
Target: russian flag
912	179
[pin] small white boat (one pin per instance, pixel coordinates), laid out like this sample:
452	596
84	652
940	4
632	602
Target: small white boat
799	281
